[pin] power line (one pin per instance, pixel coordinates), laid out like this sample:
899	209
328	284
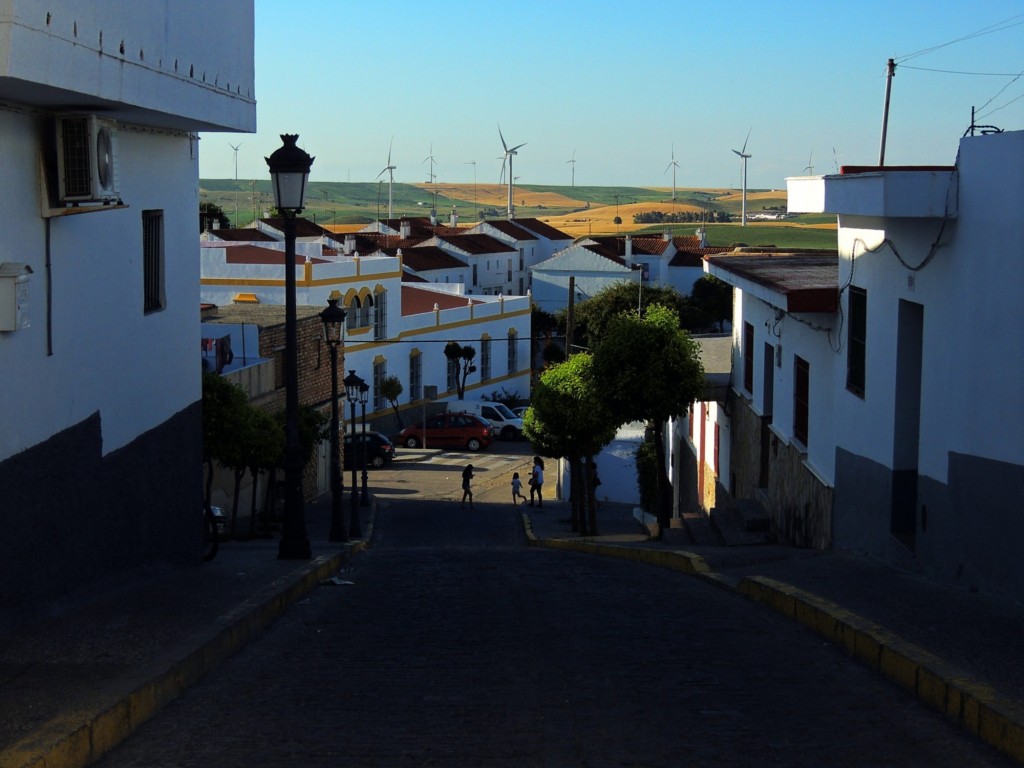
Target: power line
997	27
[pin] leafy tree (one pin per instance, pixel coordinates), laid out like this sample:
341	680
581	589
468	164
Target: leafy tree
506	396
649	370
224	408
265	451
568	417
462	357
713	297
617	220
392	389
592	316
209	213
552	354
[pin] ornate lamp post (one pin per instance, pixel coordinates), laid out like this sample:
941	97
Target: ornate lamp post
364	395
352	385
289	170
333	319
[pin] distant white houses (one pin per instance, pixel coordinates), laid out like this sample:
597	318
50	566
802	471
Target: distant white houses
395	327
101	445
876	396
596	262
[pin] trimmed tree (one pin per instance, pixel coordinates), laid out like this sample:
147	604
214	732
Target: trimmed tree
649	370
392	389
462	358
568	417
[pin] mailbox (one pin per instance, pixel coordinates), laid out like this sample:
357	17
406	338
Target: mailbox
14	278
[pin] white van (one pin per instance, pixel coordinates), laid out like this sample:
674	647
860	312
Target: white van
506	424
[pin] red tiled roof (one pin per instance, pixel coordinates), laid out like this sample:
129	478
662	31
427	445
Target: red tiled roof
303	227
477	245
427	257
416	301
690	254
512	230
241	235
808	280
541	228
254	254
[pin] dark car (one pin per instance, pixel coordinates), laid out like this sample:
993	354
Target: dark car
379	450
449	430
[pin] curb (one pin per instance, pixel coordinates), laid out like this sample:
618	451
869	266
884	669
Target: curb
995	718
78	739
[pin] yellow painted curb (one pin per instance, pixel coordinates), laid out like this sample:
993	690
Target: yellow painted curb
74	740
994	717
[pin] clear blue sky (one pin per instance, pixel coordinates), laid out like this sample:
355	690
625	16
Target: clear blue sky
619	84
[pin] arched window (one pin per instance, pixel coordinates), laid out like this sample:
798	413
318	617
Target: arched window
352	319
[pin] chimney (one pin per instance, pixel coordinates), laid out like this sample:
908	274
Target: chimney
666	236
433	218
404	229
629	248
702	235
454	217
350	244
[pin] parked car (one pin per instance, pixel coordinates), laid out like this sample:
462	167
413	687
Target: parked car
520	410
379	450
459	430
506	424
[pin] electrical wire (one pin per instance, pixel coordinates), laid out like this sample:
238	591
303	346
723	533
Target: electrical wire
999	26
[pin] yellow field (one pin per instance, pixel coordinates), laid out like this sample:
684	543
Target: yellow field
601	221
496	195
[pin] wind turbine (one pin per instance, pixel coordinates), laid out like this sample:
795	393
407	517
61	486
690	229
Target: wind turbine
573	164
235	147
430	157
673	165
473	163
507	158
809	169
389	169
743	172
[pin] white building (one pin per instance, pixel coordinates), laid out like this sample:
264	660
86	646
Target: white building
879	400
394	327
100	451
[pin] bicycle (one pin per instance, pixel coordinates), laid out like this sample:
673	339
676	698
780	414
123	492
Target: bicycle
211	533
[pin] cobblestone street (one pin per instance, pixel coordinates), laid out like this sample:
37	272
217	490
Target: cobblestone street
456	645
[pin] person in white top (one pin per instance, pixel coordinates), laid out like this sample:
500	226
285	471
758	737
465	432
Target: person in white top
537	481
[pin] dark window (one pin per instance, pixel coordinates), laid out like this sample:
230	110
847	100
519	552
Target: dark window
415	377
153	260
513	353
748	357
380	372
485	359
801	399
856	341
380	316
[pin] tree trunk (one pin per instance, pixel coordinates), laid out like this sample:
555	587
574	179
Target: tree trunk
255	472
664	486
578	496
591	475
239	474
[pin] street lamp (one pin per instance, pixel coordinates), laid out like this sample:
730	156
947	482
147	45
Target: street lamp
364	395
352	384
289	170
333	319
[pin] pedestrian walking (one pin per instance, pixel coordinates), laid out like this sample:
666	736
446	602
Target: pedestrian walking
537	481
517	488
467	489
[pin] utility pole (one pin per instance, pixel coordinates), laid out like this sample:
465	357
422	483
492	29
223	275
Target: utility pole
890	73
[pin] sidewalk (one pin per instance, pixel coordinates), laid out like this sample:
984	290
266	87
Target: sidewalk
74	685
957	651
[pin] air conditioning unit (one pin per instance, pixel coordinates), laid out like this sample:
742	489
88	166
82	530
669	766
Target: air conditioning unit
86	158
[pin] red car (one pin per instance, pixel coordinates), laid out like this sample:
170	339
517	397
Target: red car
459	430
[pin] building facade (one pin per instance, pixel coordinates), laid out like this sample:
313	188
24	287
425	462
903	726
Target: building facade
101	447
894	407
